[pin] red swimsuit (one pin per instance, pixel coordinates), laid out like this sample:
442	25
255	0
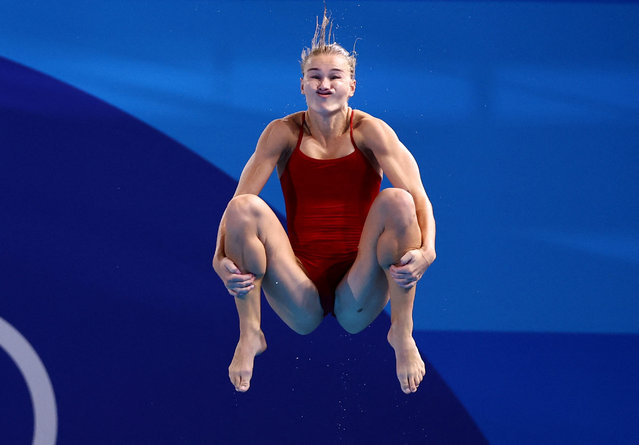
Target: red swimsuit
327	201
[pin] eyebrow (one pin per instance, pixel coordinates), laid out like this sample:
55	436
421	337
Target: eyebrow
332	69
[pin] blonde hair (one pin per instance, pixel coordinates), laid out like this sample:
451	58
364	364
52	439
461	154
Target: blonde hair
321	44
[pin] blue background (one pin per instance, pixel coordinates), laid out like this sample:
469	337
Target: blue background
123	126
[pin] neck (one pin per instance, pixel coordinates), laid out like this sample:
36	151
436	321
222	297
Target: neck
328	126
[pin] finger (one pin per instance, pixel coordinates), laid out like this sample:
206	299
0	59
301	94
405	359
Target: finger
410	277
406	258
408	274
410	266
241	278
243	292
243	286
406	284
409	285
406	268
231	267
402	281
405	274
399	268
237	282
240	293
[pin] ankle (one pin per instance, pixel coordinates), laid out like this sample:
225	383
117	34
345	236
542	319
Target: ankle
401	327
249	332
400	332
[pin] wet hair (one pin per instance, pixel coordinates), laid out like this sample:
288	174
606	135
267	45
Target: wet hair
322	45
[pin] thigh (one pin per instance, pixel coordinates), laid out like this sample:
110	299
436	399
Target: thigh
390	230
363	292
288	289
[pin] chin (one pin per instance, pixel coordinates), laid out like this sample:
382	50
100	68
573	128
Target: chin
327	108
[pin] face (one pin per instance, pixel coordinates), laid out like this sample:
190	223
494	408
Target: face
327	83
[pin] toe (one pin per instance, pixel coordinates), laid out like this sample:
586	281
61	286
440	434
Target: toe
413	385
234	378
236	382
404	383
244	382
419	377
243	386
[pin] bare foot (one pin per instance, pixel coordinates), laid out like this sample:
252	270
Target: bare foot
241	368
409	364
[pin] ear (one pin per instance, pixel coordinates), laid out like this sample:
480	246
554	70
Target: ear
302	85
352	88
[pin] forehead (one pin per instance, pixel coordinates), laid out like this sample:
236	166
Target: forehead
327	62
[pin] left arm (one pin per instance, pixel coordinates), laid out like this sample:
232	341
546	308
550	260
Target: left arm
402	171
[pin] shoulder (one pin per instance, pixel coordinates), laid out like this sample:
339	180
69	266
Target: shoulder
372	133
290	123
286	126
281	134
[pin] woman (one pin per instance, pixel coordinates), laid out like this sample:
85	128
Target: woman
350	248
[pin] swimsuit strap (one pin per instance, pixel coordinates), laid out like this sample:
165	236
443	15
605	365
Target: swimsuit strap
352	138
301	135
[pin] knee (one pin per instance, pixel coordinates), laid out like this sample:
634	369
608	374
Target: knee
399	206
243	209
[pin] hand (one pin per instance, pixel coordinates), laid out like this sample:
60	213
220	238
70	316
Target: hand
237	283
411	267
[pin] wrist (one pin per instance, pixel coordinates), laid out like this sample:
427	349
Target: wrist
428	251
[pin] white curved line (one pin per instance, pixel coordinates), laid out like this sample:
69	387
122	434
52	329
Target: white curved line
45	415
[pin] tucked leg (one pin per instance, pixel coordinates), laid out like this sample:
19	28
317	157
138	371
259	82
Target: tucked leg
391	229
257	243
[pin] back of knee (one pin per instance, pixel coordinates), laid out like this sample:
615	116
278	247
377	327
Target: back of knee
352	322
307	325
353	327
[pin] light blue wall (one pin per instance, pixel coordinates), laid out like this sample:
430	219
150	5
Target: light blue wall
524	118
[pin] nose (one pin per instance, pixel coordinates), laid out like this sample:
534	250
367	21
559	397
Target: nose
325	84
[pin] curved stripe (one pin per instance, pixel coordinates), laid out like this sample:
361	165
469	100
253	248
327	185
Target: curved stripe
45	412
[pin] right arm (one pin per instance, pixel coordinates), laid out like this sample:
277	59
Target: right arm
274	141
